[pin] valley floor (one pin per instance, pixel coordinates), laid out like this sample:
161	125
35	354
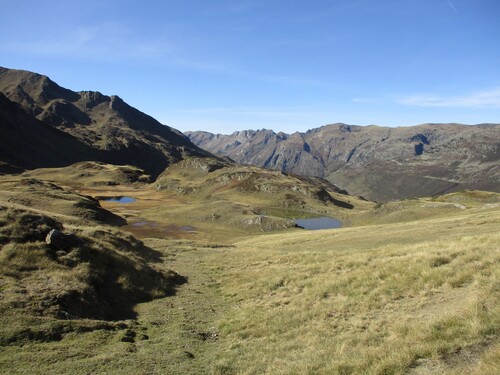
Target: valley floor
419	297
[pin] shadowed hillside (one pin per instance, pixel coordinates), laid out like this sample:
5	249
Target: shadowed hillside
102	128
30	143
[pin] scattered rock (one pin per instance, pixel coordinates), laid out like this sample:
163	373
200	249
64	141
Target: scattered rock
491	205
268	223
58	240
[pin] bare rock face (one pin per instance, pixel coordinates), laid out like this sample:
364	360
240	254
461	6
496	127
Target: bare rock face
378	163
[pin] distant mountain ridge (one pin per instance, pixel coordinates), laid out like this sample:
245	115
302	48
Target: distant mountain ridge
379	163
80	126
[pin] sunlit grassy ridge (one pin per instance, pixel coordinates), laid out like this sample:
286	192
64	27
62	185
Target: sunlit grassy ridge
91	173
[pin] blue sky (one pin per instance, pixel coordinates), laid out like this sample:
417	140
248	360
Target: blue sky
226	65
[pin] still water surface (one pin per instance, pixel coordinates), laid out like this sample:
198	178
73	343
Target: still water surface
319	223
120	199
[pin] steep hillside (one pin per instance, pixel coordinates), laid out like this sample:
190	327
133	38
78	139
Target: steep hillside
29	143
107	129
379	163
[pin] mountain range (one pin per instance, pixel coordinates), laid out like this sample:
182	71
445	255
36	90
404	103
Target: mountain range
378	163
45	125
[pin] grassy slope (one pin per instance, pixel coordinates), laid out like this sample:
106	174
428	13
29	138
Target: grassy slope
379	299
212	205
409	297
90	282
90	173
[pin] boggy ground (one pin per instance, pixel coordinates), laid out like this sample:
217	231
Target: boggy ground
411	287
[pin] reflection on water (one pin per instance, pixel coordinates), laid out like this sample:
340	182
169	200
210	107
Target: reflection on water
318	223
120	199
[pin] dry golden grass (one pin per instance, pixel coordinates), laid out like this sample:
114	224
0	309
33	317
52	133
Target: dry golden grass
91	174
365	300
415	292
418	297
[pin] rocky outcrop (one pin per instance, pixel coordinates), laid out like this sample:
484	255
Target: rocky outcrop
200	177
268	223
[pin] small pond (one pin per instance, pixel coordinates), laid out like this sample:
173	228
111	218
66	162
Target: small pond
118	199
318	223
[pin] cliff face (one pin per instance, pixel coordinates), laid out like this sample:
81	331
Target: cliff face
378	163
105	126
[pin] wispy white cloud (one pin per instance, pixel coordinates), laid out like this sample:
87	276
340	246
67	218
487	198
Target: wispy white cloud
108	41
480	99
115	42
452	6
